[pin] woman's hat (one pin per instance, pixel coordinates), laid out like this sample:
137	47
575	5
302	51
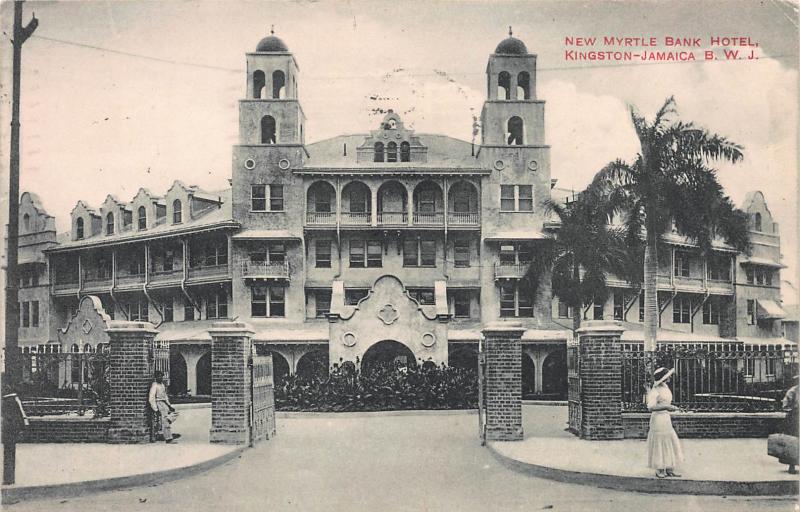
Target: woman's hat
662	374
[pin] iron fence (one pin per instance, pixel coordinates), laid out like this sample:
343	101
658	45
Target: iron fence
66	383
712	377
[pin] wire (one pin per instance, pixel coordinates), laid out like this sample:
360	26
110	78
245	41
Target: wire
378	75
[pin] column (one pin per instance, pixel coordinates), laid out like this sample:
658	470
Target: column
131	374
373	191
503	381
230	377
601	380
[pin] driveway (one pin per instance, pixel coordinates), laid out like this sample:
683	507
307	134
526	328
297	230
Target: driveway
360	462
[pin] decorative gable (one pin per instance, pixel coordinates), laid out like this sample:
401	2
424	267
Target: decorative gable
392	143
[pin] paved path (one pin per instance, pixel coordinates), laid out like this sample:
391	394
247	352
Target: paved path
78	462
357	463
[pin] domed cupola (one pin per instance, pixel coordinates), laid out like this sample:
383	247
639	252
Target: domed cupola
511	46
273	43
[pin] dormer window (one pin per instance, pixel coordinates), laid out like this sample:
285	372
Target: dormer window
110	224
177	211
142	218
757	221
79	228
26	222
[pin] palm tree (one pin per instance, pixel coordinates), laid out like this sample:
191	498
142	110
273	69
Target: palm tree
670	183
585	251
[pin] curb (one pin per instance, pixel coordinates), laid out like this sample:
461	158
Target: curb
12	495
555	403
373	414
651	485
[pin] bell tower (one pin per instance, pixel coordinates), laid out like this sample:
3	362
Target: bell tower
511	114
271	113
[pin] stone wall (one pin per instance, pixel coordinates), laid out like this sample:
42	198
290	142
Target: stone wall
708	425
65	430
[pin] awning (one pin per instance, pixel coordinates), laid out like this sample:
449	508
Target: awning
265	234
765	262
634	333
502	236
769	310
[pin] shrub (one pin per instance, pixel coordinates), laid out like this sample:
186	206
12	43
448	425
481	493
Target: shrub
386	387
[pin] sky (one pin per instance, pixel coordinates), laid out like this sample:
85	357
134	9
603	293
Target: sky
120	95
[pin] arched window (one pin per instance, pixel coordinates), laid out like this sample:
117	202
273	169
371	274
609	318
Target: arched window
391	152
757	221
110	224
88	348
177	211
75	348
268	134
26	222
142	215
379	151
515	132
259	82
524	86
503	86
405	152
278	85
79	228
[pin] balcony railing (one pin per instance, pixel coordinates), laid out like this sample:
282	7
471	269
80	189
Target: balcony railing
392	218
65	285
161	276
428	218
510	270
97	281
320	218
356	218
463	218
208	271
127	279
265	270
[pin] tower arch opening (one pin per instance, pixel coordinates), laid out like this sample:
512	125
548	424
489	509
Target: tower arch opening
516	131
278	85
504	85
269	133
523	86
259	83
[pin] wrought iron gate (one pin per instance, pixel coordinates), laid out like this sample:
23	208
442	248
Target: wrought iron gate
482	397
574	386
262	399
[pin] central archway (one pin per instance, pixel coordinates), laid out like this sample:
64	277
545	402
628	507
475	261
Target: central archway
387	353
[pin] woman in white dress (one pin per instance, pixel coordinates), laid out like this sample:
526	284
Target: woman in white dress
664	451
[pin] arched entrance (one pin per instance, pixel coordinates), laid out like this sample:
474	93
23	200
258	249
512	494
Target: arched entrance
313	364
280	367
178	383
528	376
204	375
387	353
465	357
554	373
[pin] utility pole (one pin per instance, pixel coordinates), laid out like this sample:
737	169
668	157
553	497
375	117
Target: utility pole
12	360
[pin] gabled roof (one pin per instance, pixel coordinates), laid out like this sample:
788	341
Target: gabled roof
214	219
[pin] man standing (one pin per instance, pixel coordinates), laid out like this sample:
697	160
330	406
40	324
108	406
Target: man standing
159	403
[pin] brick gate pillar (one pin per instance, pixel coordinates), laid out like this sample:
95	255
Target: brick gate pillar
230	382
601	380
503	381
130	376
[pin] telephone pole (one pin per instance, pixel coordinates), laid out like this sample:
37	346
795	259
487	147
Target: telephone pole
12	360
